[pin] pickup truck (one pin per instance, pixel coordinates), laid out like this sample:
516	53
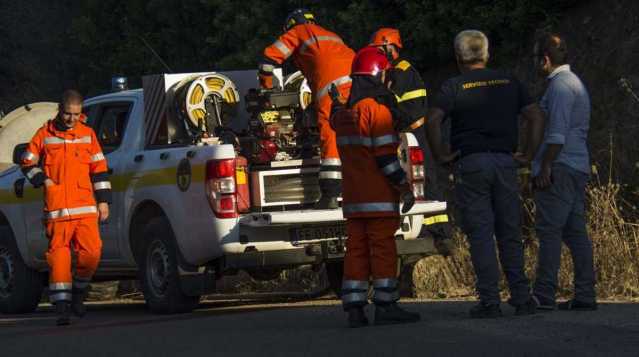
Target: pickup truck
189	209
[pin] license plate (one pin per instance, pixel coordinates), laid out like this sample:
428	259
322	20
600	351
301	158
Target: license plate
311	233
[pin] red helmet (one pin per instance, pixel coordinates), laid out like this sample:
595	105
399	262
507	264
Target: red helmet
369	61
386	36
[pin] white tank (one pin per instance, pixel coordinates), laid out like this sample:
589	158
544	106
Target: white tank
20	125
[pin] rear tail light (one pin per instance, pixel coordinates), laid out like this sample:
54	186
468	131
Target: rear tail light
220	187
416	155
416	173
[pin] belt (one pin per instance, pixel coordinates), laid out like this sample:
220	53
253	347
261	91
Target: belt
464	154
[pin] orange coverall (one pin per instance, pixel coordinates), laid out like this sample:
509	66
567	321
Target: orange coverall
74	161
324	59
368	145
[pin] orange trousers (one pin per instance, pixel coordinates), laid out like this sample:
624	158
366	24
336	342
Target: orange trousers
370	248
83	236
328	143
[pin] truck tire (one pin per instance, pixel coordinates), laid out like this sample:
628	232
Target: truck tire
335	275
20	286
159	275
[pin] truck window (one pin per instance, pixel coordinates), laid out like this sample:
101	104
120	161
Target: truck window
110	124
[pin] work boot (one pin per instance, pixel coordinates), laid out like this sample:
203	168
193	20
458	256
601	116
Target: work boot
63	312
356	317
527	308
485	311
327	202
392	314
77	302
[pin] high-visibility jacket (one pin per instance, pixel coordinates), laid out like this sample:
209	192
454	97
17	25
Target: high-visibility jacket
320	54
74	161
410	92
367	144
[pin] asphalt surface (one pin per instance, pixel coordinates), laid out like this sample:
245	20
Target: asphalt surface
317	328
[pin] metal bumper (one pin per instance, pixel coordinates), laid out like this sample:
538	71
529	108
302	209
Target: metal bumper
317	253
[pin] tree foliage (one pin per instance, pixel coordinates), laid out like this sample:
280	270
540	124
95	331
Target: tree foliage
99	38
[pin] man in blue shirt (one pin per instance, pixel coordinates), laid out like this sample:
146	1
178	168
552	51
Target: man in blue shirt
561	169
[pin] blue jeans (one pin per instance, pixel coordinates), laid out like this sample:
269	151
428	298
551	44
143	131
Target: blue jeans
561	217
487	195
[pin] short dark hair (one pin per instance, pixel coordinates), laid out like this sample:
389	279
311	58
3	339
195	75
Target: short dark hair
71	96
554	46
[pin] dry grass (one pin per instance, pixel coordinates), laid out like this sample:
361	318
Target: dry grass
611	227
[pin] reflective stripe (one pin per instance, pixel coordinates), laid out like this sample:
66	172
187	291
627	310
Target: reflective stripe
383	296
385	140
354	297
417	93
338	82
81	283
102	185
97	157
282	47
354	140
59	286
60	297
391	168
29	156
56	140
388	283
333	175
354	285
371	207
34	171
331	162
313	40
265	67
442	218
71	212
417	123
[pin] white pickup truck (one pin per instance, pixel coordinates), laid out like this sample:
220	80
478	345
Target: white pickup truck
188	208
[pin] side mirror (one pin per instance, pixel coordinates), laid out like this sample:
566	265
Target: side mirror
18	151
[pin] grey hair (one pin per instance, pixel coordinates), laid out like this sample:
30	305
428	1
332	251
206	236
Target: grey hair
471	46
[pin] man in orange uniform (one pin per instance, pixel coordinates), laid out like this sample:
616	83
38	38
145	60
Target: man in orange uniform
373	182
65	156
324	60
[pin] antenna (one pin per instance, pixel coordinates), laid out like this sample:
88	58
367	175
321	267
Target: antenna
155	53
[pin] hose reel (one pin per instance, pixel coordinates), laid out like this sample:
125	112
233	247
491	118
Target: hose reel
297	82
205	103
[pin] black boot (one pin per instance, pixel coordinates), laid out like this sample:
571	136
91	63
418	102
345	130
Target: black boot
393	314
77	302
356	317
485	311
63	311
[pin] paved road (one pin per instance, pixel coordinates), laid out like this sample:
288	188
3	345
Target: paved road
316	328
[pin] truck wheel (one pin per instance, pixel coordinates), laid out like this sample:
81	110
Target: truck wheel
20	286
335	275
159	278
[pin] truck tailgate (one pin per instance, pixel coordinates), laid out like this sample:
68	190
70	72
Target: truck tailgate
317	216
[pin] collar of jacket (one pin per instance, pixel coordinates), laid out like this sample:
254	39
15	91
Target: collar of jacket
370	87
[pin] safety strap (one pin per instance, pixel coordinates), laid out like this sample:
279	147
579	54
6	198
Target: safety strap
442	218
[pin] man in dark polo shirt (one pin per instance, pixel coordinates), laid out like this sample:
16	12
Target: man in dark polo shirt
484	106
